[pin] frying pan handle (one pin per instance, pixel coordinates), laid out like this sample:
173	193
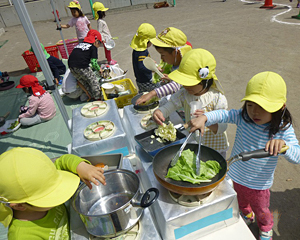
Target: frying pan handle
145	199
260	153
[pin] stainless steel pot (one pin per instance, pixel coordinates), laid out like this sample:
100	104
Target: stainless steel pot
111	210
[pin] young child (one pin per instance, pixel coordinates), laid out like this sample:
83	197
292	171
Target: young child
171	44
263	122
33	191
140	44
196	73
81	22
79	63
41	105
103	29
56	65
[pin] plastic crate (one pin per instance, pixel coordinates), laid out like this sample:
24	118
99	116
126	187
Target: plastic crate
32	61
125	100
71	43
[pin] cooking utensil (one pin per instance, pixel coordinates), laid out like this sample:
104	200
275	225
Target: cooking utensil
198	155
161	164
111	210
2	119
151	65
143	107
178	154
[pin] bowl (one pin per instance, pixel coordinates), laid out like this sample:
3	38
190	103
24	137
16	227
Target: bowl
108	87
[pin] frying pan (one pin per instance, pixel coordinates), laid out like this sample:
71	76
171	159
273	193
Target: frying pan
143	107
162	160
2	119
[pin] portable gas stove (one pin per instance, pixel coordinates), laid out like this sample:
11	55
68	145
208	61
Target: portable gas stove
145	229
84	147
188	217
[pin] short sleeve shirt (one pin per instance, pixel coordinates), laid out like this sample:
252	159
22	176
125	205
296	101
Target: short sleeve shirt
81	26
82	54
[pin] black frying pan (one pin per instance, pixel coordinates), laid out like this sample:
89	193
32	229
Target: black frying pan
162	160
143	107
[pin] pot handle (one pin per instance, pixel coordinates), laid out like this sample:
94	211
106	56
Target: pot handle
145	199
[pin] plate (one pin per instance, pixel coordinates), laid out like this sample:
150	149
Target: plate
99	130
94	109
7	124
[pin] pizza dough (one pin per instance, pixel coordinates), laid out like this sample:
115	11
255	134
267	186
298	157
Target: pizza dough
147	123
99	130
94	109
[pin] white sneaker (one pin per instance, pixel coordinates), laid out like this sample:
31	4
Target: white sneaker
265	235
249	218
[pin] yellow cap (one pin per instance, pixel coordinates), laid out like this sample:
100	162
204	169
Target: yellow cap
144	33
268	90
27	175
74	4
170	37
98	6
195	66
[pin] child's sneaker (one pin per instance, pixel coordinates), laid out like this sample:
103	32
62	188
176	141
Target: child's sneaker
265	235
112	62
249	218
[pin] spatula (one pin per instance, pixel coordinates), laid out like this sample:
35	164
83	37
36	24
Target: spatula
198	155
151	65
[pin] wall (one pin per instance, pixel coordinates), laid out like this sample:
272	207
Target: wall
42	10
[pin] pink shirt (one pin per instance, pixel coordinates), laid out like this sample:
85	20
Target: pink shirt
81	26
44	106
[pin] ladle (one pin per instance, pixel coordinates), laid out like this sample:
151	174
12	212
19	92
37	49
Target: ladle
151	65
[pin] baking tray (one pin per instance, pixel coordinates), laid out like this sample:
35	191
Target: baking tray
113	161
144	140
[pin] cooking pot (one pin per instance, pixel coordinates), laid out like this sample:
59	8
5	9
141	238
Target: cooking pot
110	210
162	160
146	107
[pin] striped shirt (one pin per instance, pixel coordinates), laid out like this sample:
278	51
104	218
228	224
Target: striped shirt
257	173
167	89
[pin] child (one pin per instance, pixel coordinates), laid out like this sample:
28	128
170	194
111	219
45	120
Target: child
33	191
79	63
263	122
81	22
171	44
196	73
41	105
140	44
56	65
102	28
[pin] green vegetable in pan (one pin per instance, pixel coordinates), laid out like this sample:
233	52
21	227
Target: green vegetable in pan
185	169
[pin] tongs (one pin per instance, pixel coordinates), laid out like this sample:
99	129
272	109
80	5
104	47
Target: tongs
178	154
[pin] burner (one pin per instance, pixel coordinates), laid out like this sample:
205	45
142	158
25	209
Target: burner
191	200
132	234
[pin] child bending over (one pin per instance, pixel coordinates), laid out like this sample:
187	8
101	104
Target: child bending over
196	73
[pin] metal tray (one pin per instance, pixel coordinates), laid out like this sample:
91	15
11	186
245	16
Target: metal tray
113	161
144	140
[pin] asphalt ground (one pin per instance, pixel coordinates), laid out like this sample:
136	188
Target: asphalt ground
244	39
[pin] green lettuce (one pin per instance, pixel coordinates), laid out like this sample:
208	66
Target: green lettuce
185	169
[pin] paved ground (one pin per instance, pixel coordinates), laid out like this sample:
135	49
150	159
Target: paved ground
243	38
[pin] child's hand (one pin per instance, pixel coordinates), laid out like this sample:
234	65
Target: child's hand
146	97
89	173
198	123
158	117
198	113
274	146
166	79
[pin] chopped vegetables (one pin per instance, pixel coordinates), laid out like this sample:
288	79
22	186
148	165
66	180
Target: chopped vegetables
185	169
166	132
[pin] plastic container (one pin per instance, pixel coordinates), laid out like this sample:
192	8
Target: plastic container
71	43
32	61
124	100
